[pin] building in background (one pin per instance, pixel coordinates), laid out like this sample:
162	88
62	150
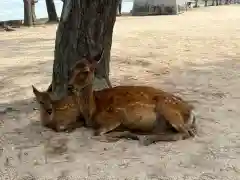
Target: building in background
158	7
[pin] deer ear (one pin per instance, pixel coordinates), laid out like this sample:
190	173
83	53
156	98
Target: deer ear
97	58
35	91
49	88
37	94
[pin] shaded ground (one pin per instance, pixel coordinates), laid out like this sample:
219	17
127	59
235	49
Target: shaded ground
195	55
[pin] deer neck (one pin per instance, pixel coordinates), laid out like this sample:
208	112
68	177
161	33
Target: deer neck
87	104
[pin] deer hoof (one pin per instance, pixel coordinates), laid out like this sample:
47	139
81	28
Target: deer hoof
96	133
192	132
182	136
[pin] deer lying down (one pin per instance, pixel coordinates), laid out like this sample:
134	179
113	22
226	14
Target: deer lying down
66	109
127	111
45	106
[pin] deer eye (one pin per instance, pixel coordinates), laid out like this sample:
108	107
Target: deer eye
49	111
85	72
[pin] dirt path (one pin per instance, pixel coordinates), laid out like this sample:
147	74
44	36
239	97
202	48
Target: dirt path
196	55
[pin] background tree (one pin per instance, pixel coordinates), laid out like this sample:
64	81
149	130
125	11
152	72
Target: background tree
205	3
119	8
227	1
213	2
196	4
85	28
51	10
34	18
28	14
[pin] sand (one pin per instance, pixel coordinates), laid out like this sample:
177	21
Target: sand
195	55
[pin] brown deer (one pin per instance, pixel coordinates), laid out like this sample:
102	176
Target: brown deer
133	110
66	110
45	106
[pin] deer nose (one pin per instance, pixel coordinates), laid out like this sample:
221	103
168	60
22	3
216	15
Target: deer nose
49	111
70	87
61	128
58	128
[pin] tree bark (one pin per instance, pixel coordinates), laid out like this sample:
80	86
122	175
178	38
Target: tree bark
85	28
28	18
51	10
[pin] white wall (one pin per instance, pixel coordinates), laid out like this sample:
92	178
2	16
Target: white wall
156	2
181	2
165	2
179	5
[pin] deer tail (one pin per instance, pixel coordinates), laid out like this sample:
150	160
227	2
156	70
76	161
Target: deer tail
192	119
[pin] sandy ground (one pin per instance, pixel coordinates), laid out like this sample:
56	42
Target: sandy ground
195	55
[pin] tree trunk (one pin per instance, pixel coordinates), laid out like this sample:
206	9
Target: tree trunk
51	10
119	8
34	18
85	28
196	4
28	18
213	2
205	3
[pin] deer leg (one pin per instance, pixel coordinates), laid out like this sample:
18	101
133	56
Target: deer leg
150	139
117	119
101	132
174	117
187	129
124	134
105	129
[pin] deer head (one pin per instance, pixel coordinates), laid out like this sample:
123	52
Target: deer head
43	99
82	73
65	112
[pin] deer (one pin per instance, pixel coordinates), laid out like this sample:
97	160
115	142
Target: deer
45	106
142	113
66	110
